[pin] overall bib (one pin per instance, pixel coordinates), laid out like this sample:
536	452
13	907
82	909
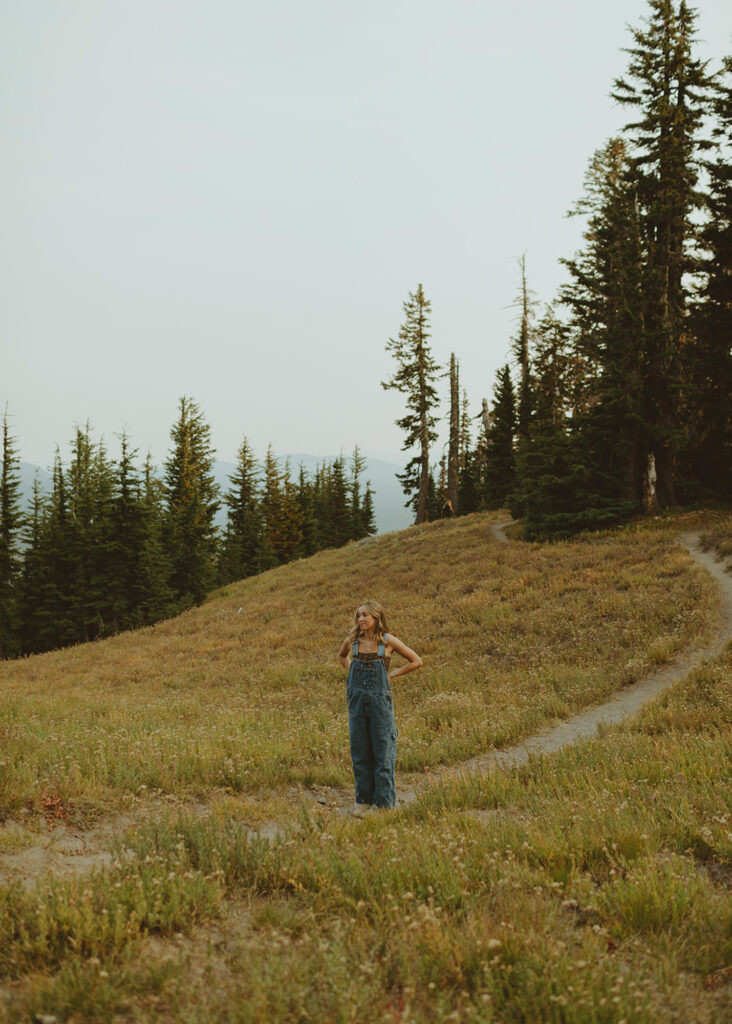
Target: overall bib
372	728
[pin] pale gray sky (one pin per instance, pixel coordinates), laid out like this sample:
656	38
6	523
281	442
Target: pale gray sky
232	199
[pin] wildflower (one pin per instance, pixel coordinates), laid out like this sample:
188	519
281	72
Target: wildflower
493	943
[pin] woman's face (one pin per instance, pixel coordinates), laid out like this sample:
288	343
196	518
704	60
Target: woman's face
365	620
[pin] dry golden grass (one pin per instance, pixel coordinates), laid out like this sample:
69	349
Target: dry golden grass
586	886
717	532
244	694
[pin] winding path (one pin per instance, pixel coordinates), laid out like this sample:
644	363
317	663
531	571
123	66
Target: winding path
623	704
630	699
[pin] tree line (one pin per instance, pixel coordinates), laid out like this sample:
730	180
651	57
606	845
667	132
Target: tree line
618	395
116	545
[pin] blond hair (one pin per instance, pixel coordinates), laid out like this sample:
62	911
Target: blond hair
380	627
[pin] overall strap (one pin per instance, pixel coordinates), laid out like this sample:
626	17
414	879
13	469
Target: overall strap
355	649
380	651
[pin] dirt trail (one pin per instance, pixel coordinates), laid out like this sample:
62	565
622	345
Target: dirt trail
585	724
621	705
69	851
63	850
630	699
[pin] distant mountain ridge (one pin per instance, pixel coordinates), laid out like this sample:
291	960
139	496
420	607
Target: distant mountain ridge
388	494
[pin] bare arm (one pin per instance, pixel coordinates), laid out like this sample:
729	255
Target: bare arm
343	654
413	660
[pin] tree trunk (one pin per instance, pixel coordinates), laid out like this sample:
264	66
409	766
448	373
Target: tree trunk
486	419
650	500
424	482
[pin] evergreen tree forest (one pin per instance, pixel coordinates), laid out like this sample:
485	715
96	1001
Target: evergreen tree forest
617	397
117	545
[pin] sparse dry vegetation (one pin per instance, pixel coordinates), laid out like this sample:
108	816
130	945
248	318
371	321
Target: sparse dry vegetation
717	533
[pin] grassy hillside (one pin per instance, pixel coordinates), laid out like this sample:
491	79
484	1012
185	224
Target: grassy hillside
589	886
245	692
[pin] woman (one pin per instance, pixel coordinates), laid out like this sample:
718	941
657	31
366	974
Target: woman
370	710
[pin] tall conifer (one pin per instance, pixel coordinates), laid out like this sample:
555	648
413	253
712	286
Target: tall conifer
191	497
126	585
608	326
453	457
668	88
522	354
273	511
708	398
159	597
32	588
500	468
368	516
241	550
415	377
11	523
358	464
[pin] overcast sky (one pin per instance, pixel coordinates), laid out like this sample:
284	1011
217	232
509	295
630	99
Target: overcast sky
232	199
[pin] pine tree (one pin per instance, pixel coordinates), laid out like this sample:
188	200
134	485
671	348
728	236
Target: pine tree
191	495
415	378
500	468
127	572
308	499
241	551
453	458
51	621
368	516
708	399
31	579
522	354
358	465
292	519
336	511
273	511
470	484
11	523
668	88
552	397
608	335
445	510
159	600
465	441
89	483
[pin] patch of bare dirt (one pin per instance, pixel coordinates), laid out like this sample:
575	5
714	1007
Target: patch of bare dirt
63	850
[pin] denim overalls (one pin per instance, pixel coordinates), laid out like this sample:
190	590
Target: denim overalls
372	728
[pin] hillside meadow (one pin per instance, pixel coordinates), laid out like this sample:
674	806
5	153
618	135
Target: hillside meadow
591	885
244	694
